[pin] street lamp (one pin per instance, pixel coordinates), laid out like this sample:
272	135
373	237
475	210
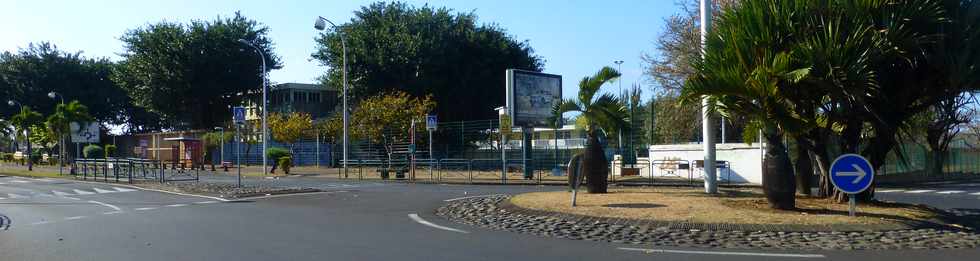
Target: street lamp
707	128
27	131
265	113
61	141
321	24
222	144
619	67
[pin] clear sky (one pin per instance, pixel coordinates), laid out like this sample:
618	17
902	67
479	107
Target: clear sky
576	38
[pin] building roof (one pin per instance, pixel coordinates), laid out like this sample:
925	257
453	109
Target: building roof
300	86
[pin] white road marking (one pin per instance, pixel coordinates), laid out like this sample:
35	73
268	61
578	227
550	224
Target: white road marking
292	194
726	253
206	202
98	190
2	198
123	189
40	223
105	205
74	218
176	205
141	209
184	194
950	192
417	219
1	183
12	196
889	190
20	181
975	193
111	212
481	196
920	191
82	192
73	198
61	194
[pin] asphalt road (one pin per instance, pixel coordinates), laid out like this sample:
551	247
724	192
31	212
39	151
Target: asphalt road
68	220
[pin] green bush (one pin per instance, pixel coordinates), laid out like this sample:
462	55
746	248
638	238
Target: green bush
37	156
285	163
6	156
93	151
110	150
276	153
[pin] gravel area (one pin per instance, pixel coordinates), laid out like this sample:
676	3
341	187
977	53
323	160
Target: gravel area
487	212
224	190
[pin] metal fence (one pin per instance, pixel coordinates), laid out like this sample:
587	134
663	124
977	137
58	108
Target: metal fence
133	169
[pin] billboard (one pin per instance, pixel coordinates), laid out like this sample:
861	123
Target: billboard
531	96
85	134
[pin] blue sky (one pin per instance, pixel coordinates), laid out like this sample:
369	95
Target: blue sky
575	37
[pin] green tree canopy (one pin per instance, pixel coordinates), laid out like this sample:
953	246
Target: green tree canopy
189	75
289	128
422	51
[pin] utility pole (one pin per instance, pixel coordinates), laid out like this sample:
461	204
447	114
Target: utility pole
707	128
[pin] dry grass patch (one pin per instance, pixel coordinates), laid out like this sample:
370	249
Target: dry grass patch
738	206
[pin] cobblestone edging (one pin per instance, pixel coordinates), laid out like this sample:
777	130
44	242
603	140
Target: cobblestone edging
490	212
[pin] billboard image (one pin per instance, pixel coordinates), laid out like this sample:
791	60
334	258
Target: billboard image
531	96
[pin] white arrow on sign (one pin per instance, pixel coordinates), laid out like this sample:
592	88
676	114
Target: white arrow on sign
859	174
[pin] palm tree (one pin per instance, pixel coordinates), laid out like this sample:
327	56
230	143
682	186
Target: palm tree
60	121
602	114
746	70
24	120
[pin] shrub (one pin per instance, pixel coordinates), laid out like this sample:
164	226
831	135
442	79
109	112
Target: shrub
110	150
93	151
276	153
6	156
285	163
37	156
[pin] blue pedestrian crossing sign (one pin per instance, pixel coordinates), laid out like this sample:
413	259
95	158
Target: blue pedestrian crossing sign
238	114
851	173
431	122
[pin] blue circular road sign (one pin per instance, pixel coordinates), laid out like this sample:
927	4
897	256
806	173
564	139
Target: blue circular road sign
851	173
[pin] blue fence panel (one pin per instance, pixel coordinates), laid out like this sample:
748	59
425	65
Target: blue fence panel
304	153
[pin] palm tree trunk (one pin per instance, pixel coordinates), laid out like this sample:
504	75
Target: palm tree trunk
595	165
804	169
778	181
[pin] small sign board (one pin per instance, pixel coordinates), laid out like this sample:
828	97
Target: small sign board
531	96
85	134
238	114
505	124
431	122
851	173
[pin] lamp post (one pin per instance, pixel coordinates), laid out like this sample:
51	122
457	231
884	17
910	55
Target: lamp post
619	67
321	24
707	128
27	132
61	140
265	112
221	145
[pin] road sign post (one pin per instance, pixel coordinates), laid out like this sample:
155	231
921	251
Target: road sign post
851	174
431	124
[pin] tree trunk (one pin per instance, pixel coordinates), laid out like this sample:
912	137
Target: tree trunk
30	161
777	179
804	169
595	165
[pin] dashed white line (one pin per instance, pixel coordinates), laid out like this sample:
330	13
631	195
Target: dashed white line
726	253
61	193
82	192
73	198
206	202
111	212
74	218
919	191
889	190
141	209
98	190
123	189
40	223
975	193
950	192
417	219
105	205
12	195
176	205
183	194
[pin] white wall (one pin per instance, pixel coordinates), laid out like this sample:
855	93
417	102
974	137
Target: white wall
745	161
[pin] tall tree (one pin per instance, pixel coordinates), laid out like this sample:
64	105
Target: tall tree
189	75
422	51
600	115
29	74
24	121
289	128
385	119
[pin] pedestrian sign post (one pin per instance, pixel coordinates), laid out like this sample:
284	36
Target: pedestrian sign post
851	174
431	122
239	114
